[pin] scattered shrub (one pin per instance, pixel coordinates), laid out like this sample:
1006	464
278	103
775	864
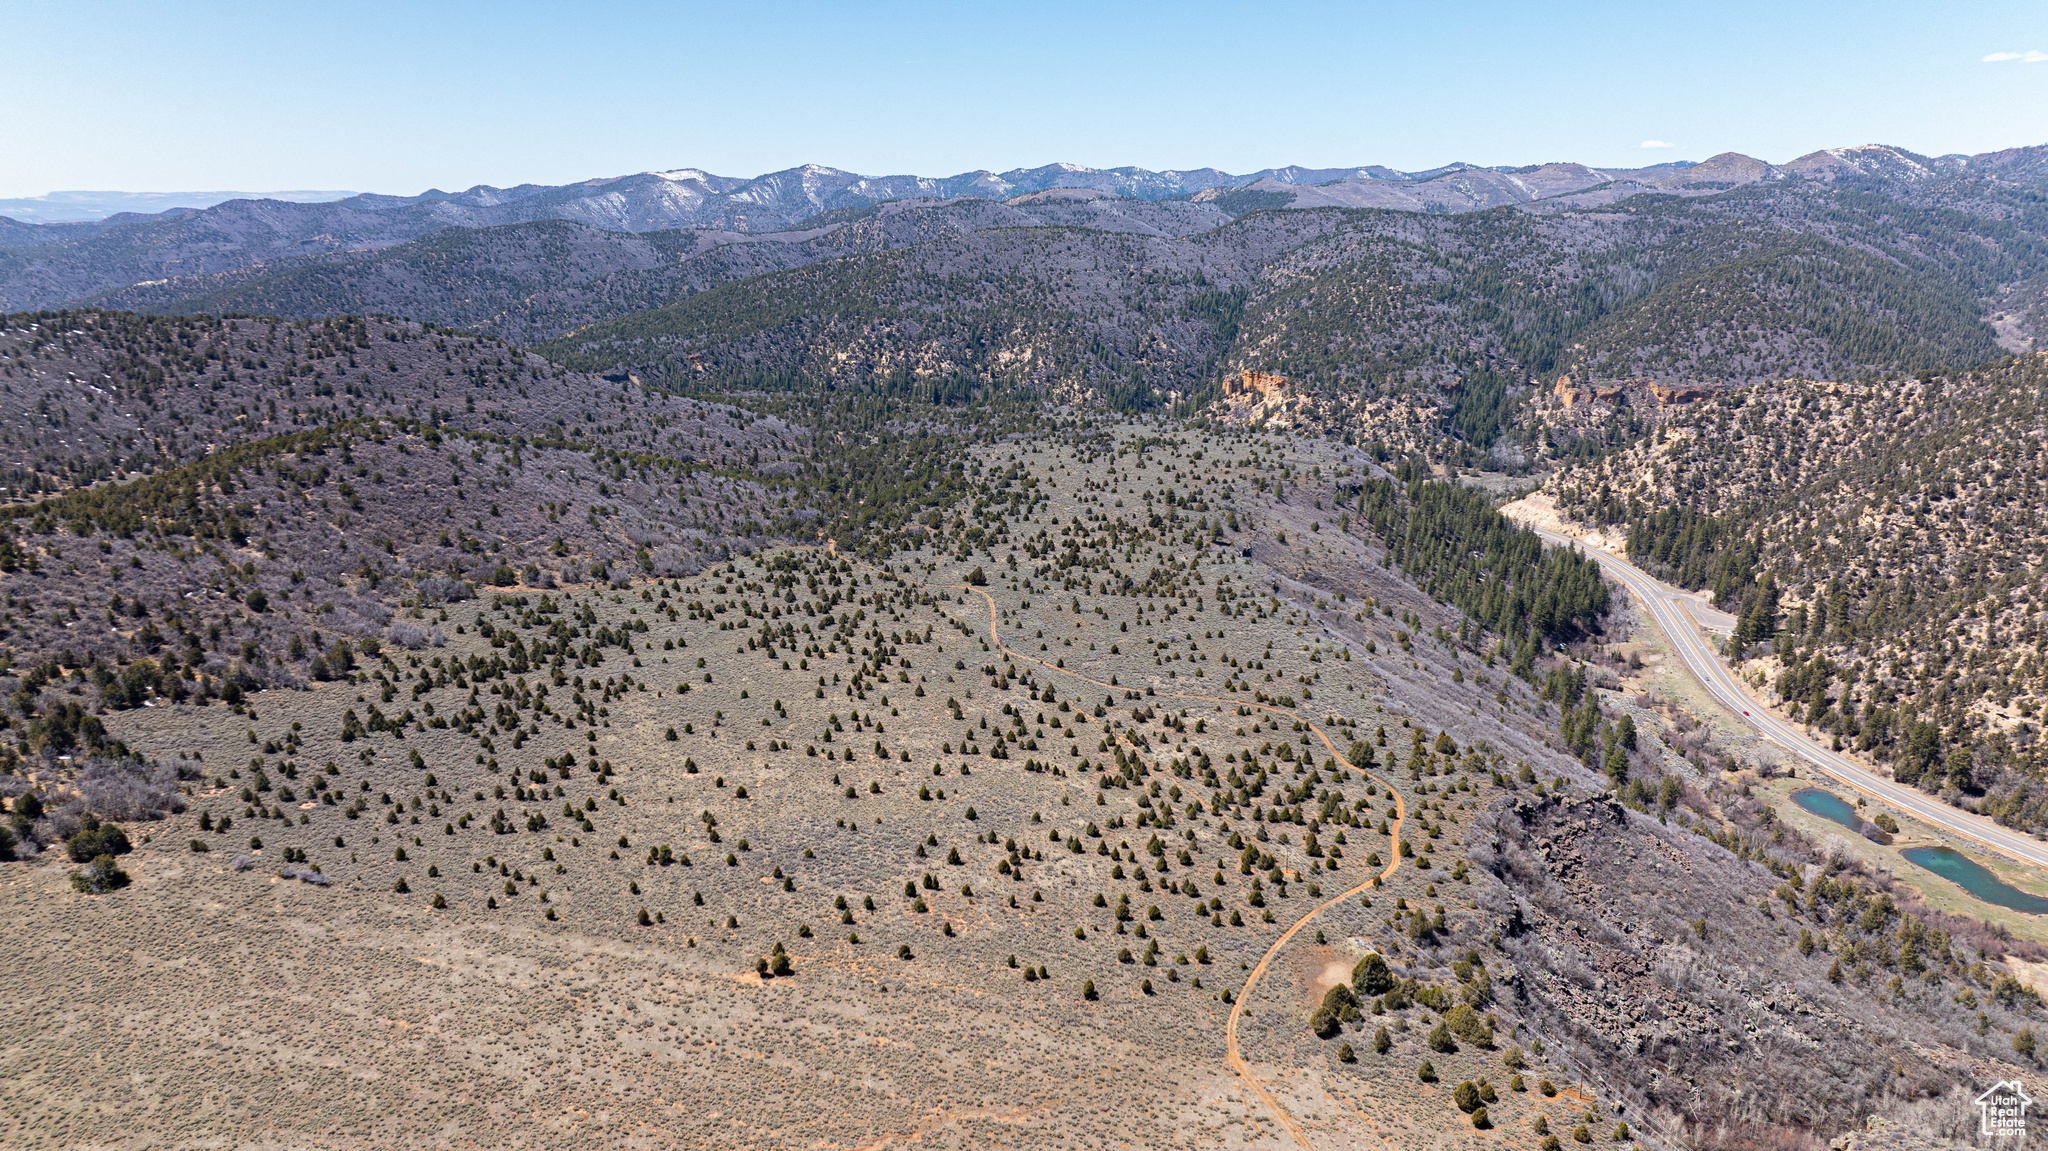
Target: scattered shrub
1372	976
1324	1023
1466	1096
96	839
99	877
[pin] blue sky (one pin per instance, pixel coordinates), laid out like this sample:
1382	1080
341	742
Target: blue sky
399	98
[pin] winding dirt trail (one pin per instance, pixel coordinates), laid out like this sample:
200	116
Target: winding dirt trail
1232	1054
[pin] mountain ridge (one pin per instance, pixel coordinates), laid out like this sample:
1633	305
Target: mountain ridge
73	206
54	265
820	183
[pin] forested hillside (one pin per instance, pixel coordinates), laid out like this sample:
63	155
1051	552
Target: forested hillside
230	495
1805	279
1882	544
1856	267
1063	312
180	260
1462	313
533	281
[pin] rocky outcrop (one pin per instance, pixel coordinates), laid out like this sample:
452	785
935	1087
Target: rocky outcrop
1268	386
1252	396
1683	393
1573	392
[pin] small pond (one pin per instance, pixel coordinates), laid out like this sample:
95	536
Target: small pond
1975	878
1828	805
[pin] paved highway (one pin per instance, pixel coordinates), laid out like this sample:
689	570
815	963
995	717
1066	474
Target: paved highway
1705	664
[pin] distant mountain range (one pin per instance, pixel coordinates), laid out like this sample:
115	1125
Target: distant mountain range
654	190
82	207
693	198
46	265
1841	262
